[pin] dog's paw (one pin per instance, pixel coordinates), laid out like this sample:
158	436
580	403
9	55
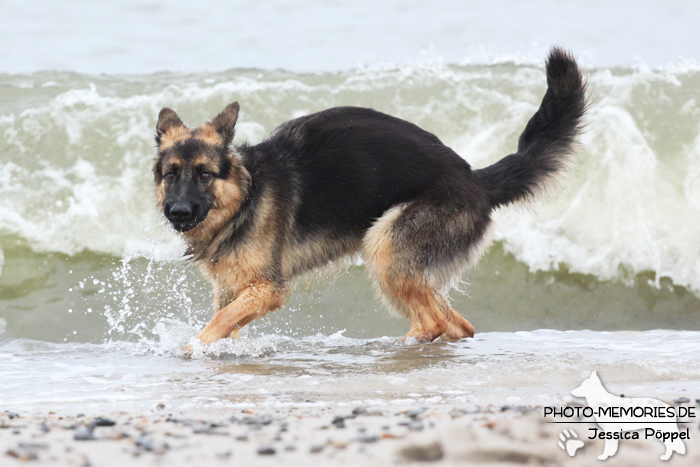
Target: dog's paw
186	351
195	348
569	442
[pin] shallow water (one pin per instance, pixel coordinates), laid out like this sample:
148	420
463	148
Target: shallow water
538	367
95	300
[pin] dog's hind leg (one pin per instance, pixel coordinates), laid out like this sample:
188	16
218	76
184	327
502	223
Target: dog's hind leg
423	306
403	290
457	327
254	301
412	252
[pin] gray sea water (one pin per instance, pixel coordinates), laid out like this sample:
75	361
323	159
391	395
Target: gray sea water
95	300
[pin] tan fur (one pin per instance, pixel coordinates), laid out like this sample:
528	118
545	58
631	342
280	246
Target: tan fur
457	327
376	245
204	162
174	135
418	295
229	194
254	301
208	134
426	311
245	263
301	257
160	193
410	296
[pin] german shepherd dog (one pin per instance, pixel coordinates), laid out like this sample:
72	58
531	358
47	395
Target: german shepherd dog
349	180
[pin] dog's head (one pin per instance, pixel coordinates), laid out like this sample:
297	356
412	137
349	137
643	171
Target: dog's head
589	387
199	180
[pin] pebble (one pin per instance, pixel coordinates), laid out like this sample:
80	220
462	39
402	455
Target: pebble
33	445
368	439
22	455
317	448
427	453
413	413
99	421
84	433
145	443
257	420
209	431
338	422
266	451
415	425
456	413
682	400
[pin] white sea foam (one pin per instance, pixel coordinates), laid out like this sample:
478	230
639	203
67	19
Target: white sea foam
631	203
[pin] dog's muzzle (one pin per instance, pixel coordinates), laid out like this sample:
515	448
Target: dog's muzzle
182	216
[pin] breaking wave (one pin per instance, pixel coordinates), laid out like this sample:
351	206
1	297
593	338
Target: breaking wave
76	154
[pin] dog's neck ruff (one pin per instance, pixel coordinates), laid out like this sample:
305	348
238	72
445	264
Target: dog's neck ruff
210	243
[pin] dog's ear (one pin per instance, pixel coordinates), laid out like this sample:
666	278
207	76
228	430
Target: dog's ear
225	123
167	119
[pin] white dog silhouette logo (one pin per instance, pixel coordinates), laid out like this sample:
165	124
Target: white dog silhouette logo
626	414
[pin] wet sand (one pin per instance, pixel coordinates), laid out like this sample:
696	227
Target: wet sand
314	434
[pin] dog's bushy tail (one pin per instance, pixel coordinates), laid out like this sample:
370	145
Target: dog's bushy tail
548	140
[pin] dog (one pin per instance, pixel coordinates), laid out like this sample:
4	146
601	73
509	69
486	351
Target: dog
597	396
350	180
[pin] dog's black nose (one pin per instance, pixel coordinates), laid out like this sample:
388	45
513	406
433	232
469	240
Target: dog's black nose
180	212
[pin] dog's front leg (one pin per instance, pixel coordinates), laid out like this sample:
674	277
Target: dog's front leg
252	302
609	449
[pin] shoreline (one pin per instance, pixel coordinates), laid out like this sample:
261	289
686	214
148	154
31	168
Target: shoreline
307	434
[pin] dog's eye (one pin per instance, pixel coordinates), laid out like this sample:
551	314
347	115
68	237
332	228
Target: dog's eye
205	176
170	177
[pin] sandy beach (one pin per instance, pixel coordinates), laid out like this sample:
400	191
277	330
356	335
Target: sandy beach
311	433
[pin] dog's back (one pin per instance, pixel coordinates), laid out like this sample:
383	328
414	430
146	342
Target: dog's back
342	168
